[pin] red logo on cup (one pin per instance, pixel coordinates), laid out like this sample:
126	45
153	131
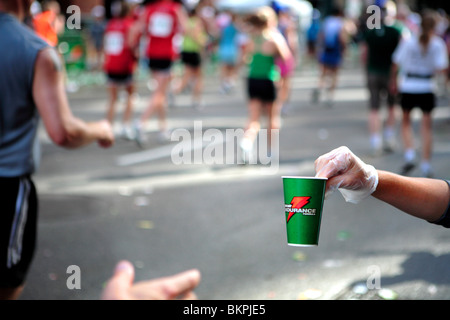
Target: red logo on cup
297	203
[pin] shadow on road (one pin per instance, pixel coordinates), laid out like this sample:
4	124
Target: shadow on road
419	267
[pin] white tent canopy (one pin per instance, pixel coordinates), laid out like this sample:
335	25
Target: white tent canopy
241	6
303	9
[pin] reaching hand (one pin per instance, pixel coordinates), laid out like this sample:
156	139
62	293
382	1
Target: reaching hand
106	139
121	286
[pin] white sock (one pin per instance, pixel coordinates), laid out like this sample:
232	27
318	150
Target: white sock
425	166
410	155
375	141
389	133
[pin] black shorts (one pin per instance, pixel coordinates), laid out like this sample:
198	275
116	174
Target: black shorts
123	79
191	59
162	65
262	89
18	229
425	101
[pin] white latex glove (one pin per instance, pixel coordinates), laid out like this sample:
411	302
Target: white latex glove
346	172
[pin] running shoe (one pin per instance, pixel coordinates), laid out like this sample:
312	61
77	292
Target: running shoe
246	151
139	135
315	96
197	105
127	133
171	99
407	168
164	136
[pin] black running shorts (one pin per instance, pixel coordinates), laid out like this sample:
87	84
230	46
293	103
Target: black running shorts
262	89
191	59
160	65
425	101
18	229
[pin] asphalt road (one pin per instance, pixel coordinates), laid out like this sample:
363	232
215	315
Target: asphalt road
100	206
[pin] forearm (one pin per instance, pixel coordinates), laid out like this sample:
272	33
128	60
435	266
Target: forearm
426	199
63	127
394	73
78	133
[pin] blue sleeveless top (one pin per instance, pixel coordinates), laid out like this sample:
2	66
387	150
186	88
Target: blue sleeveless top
19	118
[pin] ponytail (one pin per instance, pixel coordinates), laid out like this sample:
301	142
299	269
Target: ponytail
428	26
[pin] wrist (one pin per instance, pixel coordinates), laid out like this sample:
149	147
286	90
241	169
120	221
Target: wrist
369	184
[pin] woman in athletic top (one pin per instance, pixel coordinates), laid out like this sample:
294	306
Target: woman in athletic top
160	22
265	45
120	64
193	45
418	60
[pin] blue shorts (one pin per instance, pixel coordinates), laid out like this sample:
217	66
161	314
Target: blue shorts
331	58
228	55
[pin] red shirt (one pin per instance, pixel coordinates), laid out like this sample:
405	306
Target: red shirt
162	25
119	57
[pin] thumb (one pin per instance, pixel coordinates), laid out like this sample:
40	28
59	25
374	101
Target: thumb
120	283
124	269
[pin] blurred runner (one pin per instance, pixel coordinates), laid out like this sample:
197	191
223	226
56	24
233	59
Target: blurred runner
446	38
120	64
49	23
332	42
194	41
418	60
161	21
228	51
287	25
312	35
266	43
208	13
31	88
97	33
377	48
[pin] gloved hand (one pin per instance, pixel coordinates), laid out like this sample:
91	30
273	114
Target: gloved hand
346	172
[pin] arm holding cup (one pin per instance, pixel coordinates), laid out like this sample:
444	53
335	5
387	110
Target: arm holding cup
427	199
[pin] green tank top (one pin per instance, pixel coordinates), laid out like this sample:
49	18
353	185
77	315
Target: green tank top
189	45
263	66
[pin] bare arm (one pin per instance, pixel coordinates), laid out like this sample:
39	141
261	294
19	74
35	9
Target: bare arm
292	40
282	46
182	19
422	198
426	199
51	100
393	87
138	29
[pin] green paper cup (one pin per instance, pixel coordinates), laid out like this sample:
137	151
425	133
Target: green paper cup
303	202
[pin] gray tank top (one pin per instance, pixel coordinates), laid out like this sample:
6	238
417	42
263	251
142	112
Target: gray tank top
19	117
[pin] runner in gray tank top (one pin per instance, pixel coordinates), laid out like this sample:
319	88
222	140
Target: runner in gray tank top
31	89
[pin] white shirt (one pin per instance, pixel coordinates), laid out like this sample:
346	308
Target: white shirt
417	68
